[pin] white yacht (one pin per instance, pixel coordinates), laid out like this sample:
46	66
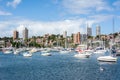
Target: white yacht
8	52
17	51
46	54
118	52
107	59
100	50
64	51
81	47
82	55
45	51
26	54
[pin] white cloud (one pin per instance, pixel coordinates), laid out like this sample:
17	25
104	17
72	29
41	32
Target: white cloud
57	27
5	30
85	6
4	13
14	3
39	28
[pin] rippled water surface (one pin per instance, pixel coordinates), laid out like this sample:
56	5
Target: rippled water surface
56	67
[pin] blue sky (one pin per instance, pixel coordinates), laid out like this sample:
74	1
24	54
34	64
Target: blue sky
56	16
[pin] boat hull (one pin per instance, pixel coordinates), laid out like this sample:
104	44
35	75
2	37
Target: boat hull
107	59
82	55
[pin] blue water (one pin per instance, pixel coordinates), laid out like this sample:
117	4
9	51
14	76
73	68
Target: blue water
56	67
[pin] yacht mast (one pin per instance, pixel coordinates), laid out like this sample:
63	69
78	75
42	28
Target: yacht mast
113	30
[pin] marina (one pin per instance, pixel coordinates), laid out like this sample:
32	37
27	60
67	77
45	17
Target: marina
60	40
57	67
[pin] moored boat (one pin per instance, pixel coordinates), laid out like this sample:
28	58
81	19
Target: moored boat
107	59
33	50
82	55
100	50
46	54
64	51
26	54
118	52
8	52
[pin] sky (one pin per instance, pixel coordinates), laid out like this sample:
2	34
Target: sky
56	16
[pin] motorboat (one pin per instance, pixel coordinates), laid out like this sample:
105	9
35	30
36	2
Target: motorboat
46	54
82	55
45	51
118	52
100	50
64	51
107	58
82	52
17	51
81	47
8	52
26	54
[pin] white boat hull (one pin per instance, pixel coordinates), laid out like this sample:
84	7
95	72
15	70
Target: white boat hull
27	55
82	55
100	51
8	52
63	52
46	54
107	59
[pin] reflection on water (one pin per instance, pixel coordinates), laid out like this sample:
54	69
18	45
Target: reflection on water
56	67
105	63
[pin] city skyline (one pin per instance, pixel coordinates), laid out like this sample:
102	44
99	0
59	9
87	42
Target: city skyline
55	16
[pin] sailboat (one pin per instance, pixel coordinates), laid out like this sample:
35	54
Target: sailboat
110	58
82	49
81	52
65	50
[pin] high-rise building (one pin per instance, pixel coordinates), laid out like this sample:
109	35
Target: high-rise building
76	38
98	30
89	31
25	33
15	34
64	34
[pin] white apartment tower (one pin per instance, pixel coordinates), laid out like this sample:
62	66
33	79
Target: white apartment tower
98	30
65	34
89	31
25	33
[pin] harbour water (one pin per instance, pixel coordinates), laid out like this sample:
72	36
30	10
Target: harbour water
56	67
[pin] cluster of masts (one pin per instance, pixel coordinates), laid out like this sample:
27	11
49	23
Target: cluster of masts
81	51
